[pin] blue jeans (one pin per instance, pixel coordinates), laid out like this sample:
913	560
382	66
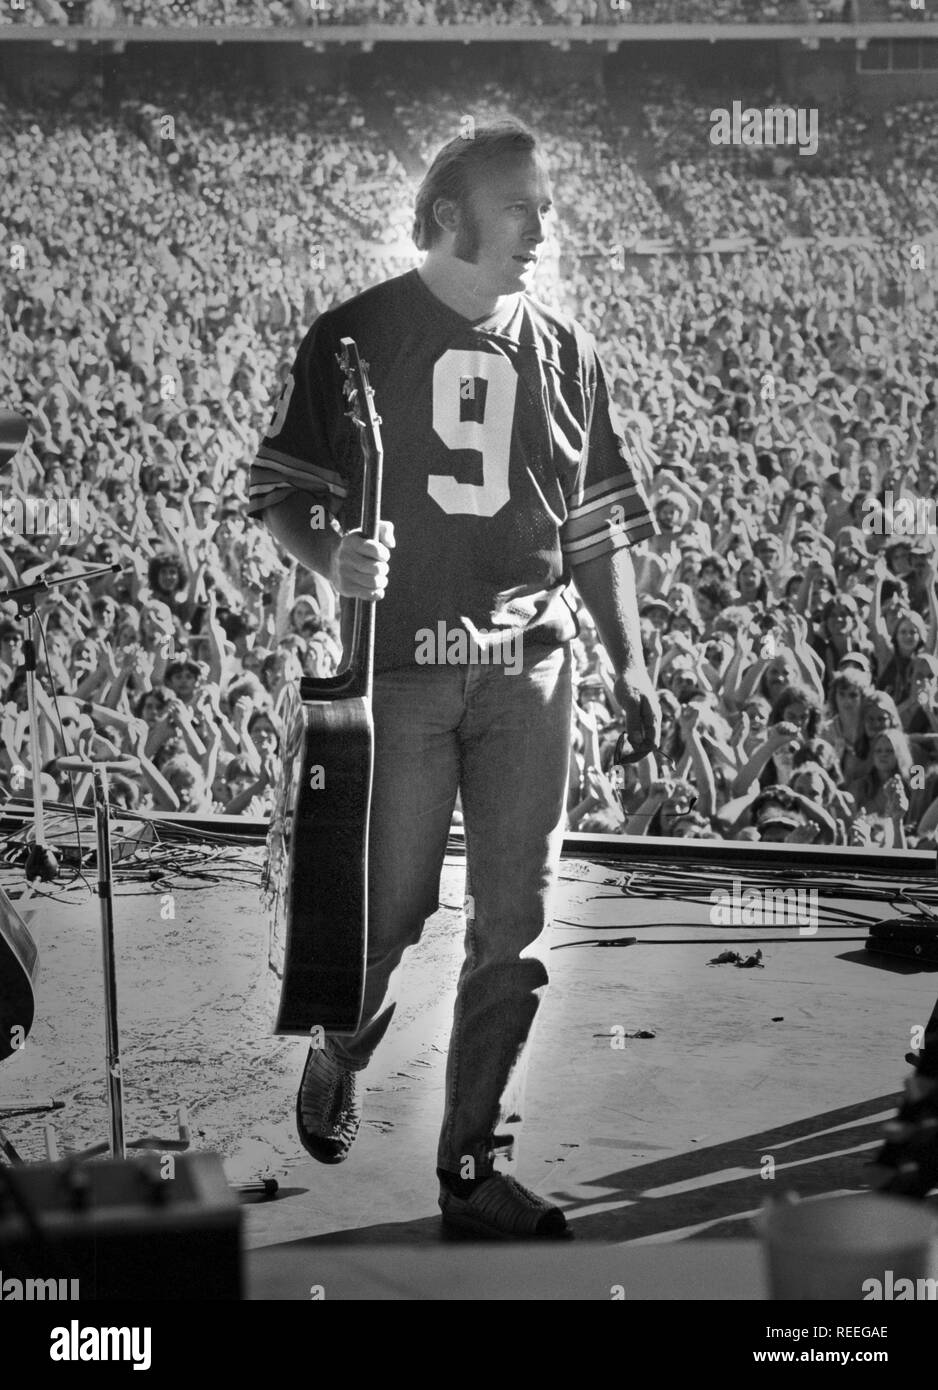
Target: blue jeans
502	739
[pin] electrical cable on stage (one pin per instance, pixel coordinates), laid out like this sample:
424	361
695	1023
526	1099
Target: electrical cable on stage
699	940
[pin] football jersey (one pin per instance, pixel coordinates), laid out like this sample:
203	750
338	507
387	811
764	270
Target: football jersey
502	465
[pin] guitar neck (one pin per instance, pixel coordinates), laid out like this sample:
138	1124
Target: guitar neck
363	641
357	676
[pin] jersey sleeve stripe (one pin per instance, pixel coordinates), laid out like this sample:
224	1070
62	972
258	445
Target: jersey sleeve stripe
622	482
575	539
284	468
267	492
608	539
260	497
607	522
631	500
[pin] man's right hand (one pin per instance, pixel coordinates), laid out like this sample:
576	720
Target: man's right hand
359	568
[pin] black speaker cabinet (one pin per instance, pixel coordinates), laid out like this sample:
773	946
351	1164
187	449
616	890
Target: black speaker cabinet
156	1227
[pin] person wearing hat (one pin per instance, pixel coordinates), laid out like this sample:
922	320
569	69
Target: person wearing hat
658	611
856	661
808	543
769	550
659	556
202	504
775	816
851	556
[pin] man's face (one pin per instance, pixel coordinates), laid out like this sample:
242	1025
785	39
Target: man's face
501	225
666	514
770	554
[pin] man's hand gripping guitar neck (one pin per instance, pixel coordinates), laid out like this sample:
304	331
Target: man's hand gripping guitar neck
357	568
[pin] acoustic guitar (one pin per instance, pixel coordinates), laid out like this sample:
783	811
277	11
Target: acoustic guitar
19	970
316	873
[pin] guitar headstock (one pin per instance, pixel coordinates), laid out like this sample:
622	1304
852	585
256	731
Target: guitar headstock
360	396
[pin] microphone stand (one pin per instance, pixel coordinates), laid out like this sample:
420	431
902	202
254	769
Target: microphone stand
41	862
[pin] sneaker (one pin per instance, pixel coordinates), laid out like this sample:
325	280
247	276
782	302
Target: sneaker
501	1209
328	1111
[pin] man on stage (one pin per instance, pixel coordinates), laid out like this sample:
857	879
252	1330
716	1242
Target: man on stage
504	479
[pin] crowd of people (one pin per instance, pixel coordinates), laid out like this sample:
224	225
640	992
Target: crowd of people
266	13
779	403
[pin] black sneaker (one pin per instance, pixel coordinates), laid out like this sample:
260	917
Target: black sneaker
328	1111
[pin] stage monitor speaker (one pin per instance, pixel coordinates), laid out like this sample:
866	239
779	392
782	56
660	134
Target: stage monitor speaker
914	938
158	1227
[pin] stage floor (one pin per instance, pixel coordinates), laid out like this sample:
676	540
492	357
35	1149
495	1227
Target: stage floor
754	1080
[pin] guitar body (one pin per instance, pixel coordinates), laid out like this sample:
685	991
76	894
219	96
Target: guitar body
316	876
19	970
319	852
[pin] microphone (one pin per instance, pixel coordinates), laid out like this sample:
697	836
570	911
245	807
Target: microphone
13	432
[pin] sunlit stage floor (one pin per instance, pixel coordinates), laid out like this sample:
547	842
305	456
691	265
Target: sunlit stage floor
753	1080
